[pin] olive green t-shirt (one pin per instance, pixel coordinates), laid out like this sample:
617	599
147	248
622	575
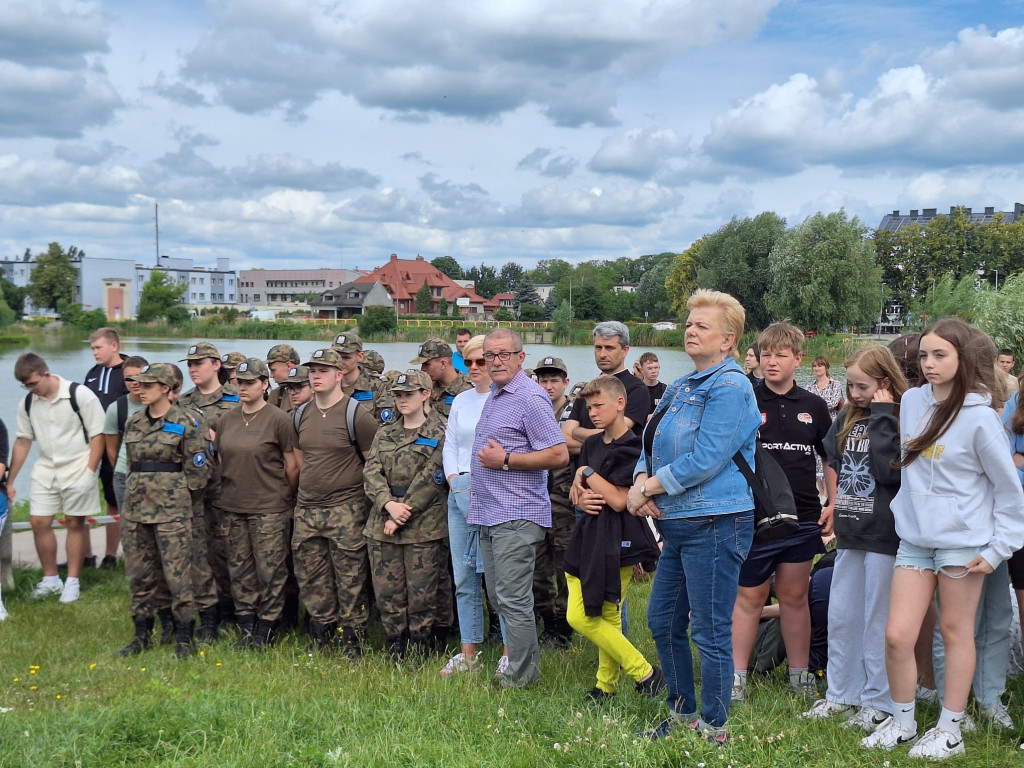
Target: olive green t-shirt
252	460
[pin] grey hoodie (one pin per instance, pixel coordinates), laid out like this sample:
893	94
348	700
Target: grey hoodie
963	491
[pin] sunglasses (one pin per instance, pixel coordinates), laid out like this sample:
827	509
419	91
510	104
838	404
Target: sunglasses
478	362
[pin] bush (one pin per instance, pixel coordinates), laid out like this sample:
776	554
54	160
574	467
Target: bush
377	320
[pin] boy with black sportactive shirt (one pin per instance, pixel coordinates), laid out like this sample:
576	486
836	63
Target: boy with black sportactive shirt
794	423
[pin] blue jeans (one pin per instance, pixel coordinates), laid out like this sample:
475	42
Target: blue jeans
695	588
469	601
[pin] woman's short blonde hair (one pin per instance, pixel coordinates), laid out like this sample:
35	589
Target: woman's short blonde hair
731	311
477	342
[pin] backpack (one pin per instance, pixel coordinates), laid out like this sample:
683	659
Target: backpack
774	507
350	423
74	407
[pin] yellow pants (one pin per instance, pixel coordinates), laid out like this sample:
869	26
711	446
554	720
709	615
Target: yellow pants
605	631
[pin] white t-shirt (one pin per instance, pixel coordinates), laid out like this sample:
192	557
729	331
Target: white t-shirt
458	437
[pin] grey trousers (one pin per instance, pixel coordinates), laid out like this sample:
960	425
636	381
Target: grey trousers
510	552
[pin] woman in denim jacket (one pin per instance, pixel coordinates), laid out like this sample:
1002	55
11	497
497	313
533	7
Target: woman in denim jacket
687	480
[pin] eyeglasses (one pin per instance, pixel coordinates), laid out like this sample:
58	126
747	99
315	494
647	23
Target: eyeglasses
477	362
503	356
30	385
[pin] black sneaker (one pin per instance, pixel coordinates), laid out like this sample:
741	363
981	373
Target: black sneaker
109	563
87	562
653	685
597	696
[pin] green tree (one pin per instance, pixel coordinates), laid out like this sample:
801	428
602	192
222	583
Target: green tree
621	306
7	315
378	320
949	296
448	266
561	320
1001	313
510	276
824	275
54	277
588	302
13	296
423	303
504	314
652	294
485	280
681	281
550	271
73	314
161	297
531	313
526	293
442	307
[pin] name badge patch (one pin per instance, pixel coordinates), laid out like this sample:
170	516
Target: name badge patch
174	429
428	441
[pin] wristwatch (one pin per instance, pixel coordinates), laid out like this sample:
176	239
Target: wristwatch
587	472
643	489
505	465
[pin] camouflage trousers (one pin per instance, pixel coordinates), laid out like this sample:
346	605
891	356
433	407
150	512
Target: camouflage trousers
158	556
550	596
217	546
257	561
409	582
331	564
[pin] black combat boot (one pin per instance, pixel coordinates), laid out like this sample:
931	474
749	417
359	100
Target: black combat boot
143	638
246	624
209	632
397	647
349	642
184	647
556	634
290	615
226	612
166	626
262	635
320	636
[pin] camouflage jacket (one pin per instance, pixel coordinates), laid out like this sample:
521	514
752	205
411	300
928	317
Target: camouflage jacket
563	513
155	492
408	469
213	405
374	395
441	397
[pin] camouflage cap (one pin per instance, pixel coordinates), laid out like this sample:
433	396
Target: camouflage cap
373	361
329	356
550	364
390	376
231	360
158	373
297	375
252	368
412	380
577	388
282	353
430	349
201	351
348	341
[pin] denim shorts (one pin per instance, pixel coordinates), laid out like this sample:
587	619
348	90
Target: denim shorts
924	559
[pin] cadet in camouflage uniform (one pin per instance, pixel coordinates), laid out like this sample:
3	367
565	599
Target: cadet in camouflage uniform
373	362
212	397
259	474
331	511
297	387
229	363
370	391
281	360
435	359
166	457
408	524
549	588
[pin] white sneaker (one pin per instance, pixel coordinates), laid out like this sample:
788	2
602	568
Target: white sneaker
867	719
739	687
44	588
3	611
967	724
937	744
927	695
502	667
890	735
71	592
459	663
998	715
824	708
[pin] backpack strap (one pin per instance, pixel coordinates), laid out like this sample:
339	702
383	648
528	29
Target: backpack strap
74	406
755	485
350	423
297	415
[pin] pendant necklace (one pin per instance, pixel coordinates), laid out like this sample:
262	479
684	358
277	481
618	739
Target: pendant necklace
250	421
323	411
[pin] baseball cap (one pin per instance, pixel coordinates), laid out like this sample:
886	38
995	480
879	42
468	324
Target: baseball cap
373	361
297	375
412	380
329	356
159	373
232	359
252	368
200	351
550	364
282	353
430	349
348	341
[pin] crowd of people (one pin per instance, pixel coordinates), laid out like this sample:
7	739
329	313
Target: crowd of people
468	497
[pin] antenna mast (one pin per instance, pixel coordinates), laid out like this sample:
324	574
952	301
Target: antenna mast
156	223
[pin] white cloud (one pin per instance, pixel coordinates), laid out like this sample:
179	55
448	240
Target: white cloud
640	153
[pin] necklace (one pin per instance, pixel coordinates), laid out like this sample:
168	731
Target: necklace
323	411
250	421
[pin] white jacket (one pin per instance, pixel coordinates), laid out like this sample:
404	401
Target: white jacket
963	491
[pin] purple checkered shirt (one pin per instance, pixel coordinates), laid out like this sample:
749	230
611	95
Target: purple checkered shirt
519	418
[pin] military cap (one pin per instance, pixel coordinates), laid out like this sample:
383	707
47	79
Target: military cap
430	349
550	364
329	356
282	353
297	375
252	368
412	380
577	388
231	360
348	341
373	361
390	376
201	351
158	373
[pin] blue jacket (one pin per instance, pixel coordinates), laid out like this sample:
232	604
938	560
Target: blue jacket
709	415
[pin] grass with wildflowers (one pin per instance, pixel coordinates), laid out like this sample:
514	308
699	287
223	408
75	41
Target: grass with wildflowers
66	701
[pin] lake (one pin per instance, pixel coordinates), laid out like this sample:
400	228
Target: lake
71	358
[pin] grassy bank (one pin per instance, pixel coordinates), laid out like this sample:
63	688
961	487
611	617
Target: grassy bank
73	704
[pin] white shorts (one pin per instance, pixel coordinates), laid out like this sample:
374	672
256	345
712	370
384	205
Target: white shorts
80	500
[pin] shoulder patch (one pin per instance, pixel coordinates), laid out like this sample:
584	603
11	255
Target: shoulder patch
449	399
439	477
428	441
387	416
362	395
229	398
199	459
176	429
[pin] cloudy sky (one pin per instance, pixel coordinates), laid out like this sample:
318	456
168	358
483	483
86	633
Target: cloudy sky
298	133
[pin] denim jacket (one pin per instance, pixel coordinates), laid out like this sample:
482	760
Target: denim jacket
709	415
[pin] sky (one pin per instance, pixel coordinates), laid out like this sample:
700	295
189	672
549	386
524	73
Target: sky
332	133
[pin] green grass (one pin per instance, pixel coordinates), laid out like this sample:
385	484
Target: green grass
74	704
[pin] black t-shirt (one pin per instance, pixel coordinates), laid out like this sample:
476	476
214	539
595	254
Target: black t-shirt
107	383
655	392
638	403
614	461
793	426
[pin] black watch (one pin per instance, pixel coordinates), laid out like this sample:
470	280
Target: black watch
588	472
505	465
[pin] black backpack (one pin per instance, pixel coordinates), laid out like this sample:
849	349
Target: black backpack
774	507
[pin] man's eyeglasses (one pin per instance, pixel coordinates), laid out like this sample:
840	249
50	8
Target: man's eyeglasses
30	385
474	363
503	356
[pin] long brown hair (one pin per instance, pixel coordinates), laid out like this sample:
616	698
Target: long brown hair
880	364
974	373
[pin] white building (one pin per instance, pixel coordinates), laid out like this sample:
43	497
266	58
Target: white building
204	286
277	287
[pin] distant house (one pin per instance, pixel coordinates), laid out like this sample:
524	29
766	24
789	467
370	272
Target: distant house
349	300
623	287
505	300
403	278
895	221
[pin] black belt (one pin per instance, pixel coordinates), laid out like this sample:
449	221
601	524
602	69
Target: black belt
155	466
